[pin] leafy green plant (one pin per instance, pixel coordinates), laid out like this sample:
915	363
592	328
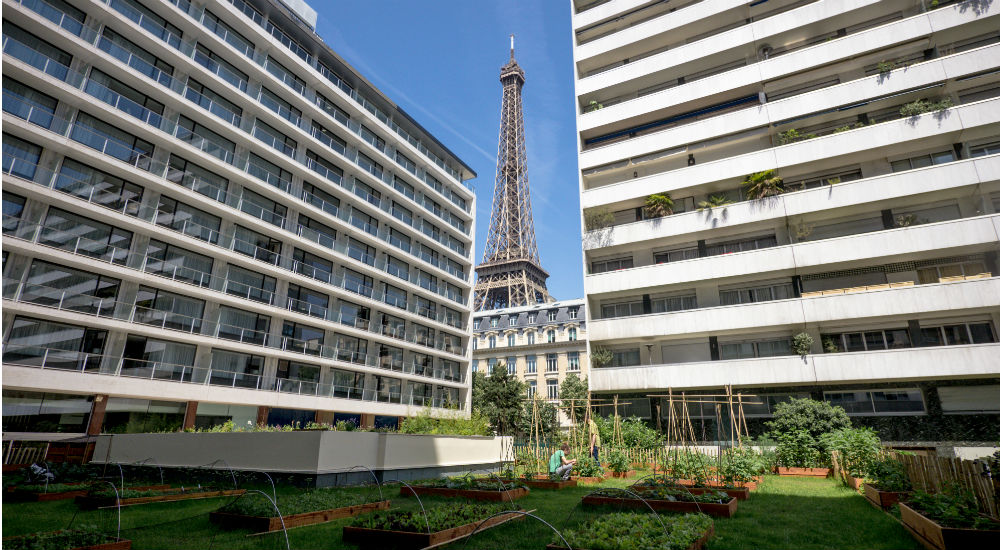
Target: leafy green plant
593	106
309	501
859	448
802	343
921	106
714	201
587	467
634	431
446	424
741	465
760	185
594	220
659	205
888	474
445	516
849	127
798	425
601	357
830	345
617	461
791	136
50	488
678	494
798	450
954	506
885	67
83	537
630	531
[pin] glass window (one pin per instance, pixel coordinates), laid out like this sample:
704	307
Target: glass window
110	140
350	348
394	296
81	235
149	20
250	284
177	263
512	366
531	364
551	336
267	134
20	158
324	167
347	384
219	66
302	338
204	139
166	309
208	99
227	33
197	179
511	339
28	103
67	288
36	342
239	370
359	284
263	208
332	109
532	388
330	139
256	245
317	232
284	75
124	97
242	325
98	187
25	46
531	338
13	207
188	219
134	56
160	359
320	198
308	301
45	412
551	362
574	360
982	333
552	388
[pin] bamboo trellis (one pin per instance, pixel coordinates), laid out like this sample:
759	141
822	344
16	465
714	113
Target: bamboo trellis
931	473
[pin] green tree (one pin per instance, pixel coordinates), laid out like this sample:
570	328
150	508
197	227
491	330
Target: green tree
573	393
499	397
547	414
799	425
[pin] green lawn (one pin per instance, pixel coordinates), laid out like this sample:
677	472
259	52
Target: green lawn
782	513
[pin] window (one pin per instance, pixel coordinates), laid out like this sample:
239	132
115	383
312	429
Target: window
208	99
149	20
531	318
530	364
551	362
227	33
284	75
746	350
350	348
511	340
392	326
168	310
28	104
29	339
205	140
13	207
250	285
84	236
532	388
110	140
283	108
512	320
921	161
302	338
317	232
124	98
475	364
45	412
187	219
878	402
552	388
332	109
98	187
574	361
243	326
256	245
743	245
240	370
217	65
263	208
512	366
177	263
621	309
678	255
551	336
493	342
67	288
602	266
269	172
360	251
159	359
406	163
572	335
134	56
20	158
959	334
347	384
277	140
308	301
984	149
552	314
194	177
394	296
573	312
866	341
320	198
625	357
766	293
936	273
531	338
297	372
372	138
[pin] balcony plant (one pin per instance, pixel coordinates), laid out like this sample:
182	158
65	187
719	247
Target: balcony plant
830	345
921	106
802	343
761	185
659	205
791	136
593	106
885	67
594	220
601	357
714	201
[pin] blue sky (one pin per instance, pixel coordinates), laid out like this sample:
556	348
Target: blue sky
440	61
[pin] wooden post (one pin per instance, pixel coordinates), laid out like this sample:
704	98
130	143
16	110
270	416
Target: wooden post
190	414
97	411
262	413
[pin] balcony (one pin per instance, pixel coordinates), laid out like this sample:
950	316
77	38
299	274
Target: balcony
934	363
977	295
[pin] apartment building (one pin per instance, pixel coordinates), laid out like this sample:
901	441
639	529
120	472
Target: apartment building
756	176
209	216
540	344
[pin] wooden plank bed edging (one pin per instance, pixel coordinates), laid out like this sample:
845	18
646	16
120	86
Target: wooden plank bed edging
263	524
473	494
696	545
93	503
382	538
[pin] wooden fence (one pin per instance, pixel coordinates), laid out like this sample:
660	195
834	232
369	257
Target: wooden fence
931	473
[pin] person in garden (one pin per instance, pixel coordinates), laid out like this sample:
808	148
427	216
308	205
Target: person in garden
595	439
559	465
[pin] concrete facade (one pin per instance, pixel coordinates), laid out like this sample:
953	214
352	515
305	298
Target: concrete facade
880	240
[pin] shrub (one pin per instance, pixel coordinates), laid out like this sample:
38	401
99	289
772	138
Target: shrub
601	357
885	67
922	106
714	201
764	184
618	462
859	448
598	219
449	424
659	205
830	345
802	343
791	136
888	474
798	425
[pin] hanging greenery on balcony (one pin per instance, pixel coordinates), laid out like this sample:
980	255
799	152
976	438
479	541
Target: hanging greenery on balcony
760	185
659	205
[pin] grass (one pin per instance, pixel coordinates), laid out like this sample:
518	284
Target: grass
782	513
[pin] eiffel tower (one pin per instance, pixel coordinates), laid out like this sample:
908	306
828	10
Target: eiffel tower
511	274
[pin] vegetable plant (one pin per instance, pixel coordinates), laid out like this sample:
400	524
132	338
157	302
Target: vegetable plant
618	462
587	467
954	506
445	516
888	474
59	540
309	501
630	531
858	448
741	465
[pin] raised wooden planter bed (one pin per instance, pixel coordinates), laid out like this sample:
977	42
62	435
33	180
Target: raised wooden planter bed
804	472
696	545
472	494
549	484
739	493
853	482
381	538
934	536
117	544
23	496
93	503
585	480
623	475
882	499
725	510
262	524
